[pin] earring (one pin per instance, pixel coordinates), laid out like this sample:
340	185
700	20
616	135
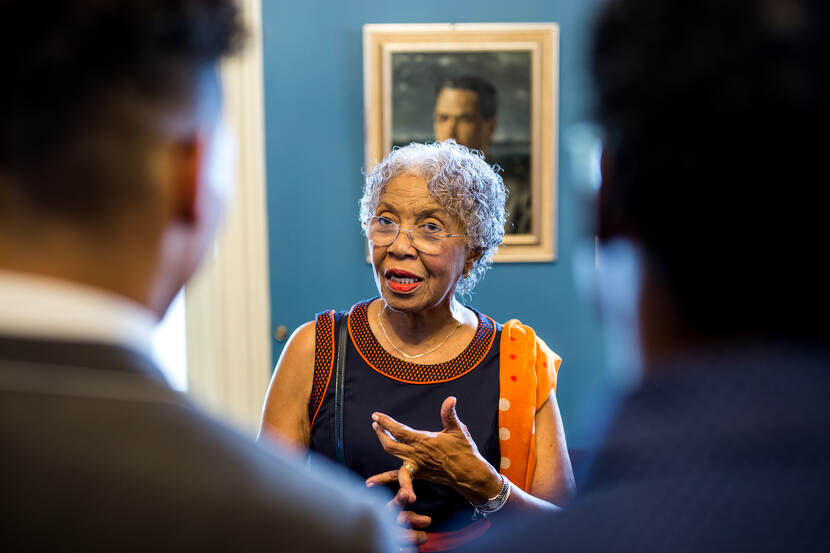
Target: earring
466	274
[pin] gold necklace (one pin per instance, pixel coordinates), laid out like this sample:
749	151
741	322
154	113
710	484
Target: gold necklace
444	341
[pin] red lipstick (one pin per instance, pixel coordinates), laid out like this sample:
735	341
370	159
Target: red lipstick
402	281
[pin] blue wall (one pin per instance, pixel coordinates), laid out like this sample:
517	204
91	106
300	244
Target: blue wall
314	146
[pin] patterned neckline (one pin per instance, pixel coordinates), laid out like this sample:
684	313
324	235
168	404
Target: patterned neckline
388	365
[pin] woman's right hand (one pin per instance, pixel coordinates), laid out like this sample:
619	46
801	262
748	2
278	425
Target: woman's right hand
412	532
412	525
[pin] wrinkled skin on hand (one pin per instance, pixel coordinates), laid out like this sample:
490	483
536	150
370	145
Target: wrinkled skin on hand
449	457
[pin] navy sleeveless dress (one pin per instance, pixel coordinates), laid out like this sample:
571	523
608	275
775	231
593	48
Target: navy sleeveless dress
411	394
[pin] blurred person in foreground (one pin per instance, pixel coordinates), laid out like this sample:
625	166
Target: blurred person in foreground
114	169
415	359
712	226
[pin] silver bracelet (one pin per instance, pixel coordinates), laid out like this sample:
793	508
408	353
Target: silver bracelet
494	503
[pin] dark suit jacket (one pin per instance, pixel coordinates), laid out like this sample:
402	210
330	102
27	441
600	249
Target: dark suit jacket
729	451
99	454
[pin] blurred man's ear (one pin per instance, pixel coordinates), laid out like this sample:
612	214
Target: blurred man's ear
188	158
194	202
205	169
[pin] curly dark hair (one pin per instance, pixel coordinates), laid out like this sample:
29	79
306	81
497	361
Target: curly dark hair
86	82
715	121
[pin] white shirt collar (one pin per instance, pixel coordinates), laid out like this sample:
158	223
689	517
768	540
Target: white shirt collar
33	306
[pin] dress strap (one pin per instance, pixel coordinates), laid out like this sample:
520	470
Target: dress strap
339	387
323	362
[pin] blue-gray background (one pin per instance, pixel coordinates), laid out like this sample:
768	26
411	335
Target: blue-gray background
314	147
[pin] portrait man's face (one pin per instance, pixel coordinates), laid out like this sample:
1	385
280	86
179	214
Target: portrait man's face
457	116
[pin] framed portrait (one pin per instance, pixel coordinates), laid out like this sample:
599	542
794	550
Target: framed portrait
492	87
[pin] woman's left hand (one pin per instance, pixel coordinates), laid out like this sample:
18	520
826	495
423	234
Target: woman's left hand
449	457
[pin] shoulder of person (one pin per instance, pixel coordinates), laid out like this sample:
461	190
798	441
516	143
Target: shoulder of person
522	335
269	495
152	462
316	507
297	358
303	340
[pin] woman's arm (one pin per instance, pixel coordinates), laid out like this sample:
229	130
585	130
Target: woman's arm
553	479
285	414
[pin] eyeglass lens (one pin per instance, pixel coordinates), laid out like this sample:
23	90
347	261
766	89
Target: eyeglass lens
383	233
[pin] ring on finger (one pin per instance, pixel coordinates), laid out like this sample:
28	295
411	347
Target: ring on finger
411	467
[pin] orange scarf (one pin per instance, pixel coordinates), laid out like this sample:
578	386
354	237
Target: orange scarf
527	374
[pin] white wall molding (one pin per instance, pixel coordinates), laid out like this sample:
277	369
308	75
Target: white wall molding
228	319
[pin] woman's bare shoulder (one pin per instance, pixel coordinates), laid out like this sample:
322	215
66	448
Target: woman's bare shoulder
285	414
294	373
298	354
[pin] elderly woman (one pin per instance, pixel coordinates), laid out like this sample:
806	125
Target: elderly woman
384	388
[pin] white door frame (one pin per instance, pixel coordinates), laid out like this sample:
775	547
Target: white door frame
227	304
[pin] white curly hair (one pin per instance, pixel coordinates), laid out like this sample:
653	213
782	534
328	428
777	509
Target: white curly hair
461	181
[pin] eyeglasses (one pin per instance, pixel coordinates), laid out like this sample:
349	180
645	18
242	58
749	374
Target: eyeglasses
426	238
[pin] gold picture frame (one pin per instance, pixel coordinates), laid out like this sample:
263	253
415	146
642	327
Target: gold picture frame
405	67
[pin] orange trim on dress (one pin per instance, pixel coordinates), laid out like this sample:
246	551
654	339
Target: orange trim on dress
481	343
330	318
